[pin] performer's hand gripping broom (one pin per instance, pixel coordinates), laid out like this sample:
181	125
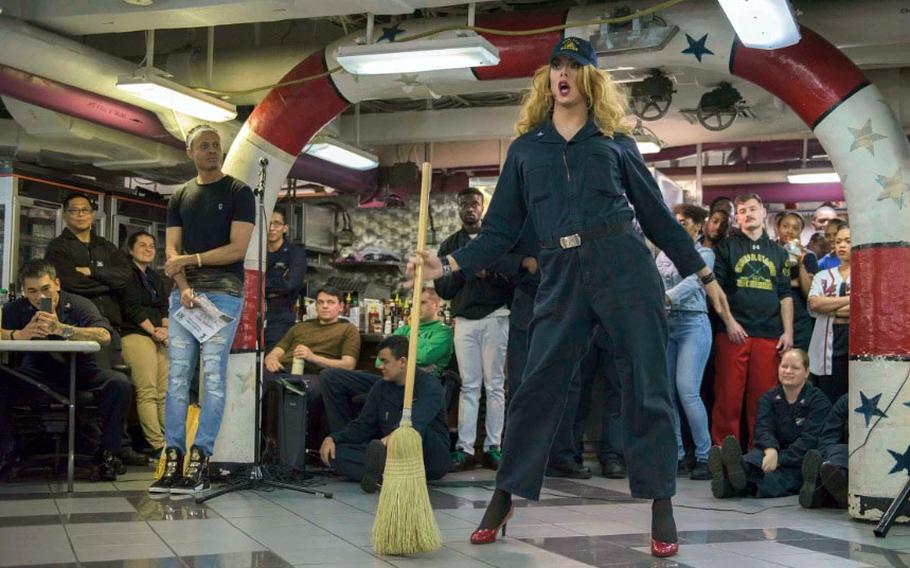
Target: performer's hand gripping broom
404	520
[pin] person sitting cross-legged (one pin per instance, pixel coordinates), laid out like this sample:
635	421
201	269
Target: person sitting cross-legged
434	352
358	451
789	420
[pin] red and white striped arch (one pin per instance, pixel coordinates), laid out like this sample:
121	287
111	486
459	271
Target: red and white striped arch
819	83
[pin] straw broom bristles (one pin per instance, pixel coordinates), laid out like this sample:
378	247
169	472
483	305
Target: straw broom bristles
404	522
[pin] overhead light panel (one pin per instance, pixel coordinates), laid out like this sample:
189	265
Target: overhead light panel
333	150
418	55
646	140
151	85
813	175
762	24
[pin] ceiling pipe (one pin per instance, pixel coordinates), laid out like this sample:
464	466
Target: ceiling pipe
83	104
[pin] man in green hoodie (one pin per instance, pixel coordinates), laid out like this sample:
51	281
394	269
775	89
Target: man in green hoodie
435	347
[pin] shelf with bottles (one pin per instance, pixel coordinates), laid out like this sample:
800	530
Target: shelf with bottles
371	264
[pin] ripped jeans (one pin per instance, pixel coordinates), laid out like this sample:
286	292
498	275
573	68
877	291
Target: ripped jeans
183	351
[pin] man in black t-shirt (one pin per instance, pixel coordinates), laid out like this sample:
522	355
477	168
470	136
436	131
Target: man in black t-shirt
209	223
755	274
70	317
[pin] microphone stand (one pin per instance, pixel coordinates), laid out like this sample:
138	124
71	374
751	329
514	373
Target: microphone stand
258	476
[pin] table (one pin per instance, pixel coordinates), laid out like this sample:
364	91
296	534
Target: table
71	348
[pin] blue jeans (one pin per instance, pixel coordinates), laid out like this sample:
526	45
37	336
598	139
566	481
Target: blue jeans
183	352
688	349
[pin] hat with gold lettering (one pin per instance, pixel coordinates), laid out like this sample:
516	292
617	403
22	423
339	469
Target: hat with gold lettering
576	48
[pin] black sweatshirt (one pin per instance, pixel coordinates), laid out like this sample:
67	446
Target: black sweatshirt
381	413
138	304
472	297
755	276
110	268
792	429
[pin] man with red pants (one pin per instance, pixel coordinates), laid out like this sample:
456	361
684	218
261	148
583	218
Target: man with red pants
753	271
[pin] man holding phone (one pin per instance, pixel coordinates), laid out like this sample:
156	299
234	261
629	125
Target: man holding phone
46	312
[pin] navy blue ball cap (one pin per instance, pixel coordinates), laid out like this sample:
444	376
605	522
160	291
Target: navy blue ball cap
578	49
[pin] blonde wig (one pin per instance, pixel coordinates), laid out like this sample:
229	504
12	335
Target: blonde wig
607	102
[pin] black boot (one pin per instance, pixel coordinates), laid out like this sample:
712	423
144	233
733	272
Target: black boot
613	468
571	470
834	478
810	494
196	478
105	468
173	471
732	457
374	467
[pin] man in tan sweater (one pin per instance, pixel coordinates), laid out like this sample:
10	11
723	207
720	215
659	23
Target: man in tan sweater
327	342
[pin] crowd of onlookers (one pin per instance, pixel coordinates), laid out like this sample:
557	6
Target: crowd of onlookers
763	383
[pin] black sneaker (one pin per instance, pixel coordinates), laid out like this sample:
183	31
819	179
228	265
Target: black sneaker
810	496
492	457
196	478
104	468
834	478
173	472
700	471
732	456
569	471
375	465
613	468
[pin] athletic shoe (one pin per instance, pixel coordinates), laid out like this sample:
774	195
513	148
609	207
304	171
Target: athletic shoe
834	478
732	456
492	457
173	472
700	471
613	468
810	495
462	461
196	478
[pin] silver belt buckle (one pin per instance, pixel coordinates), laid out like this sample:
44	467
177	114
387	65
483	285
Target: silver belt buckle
570	241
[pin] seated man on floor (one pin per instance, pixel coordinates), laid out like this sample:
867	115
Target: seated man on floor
69	317
358	451
435	347
327	342
825	470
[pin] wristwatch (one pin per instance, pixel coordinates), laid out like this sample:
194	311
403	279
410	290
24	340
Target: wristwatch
67	331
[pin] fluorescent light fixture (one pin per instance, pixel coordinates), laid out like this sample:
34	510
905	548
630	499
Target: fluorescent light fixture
813	175
418	55
333	150
647	141
762	24
152	86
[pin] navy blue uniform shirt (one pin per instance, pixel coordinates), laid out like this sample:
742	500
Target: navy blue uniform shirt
568	187
71	310
284	275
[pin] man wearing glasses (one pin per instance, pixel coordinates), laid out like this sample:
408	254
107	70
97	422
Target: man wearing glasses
91	266
284	275
87	264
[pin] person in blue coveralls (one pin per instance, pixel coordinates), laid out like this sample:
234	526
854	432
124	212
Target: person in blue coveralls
573	171
284	275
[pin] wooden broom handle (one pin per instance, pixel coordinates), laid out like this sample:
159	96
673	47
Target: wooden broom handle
425	177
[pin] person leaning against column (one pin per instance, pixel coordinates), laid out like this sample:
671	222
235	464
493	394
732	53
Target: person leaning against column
209	223
144	337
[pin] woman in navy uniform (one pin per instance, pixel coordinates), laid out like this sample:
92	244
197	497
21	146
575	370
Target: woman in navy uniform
789	420
573	171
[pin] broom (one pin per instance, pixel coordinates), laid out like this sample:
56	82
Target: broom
404	521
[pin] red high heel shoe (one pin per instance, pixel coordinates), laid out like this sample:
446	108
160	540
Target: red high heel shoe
663	549
486	536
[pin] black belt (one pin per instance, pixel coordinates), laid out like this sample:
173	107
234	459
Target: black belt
575	239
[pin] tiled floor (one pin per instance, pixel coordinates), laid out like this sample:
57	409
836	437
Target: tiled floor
576	524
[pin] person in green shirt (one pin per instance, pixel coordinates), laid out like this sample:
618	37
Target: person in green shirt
435	347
